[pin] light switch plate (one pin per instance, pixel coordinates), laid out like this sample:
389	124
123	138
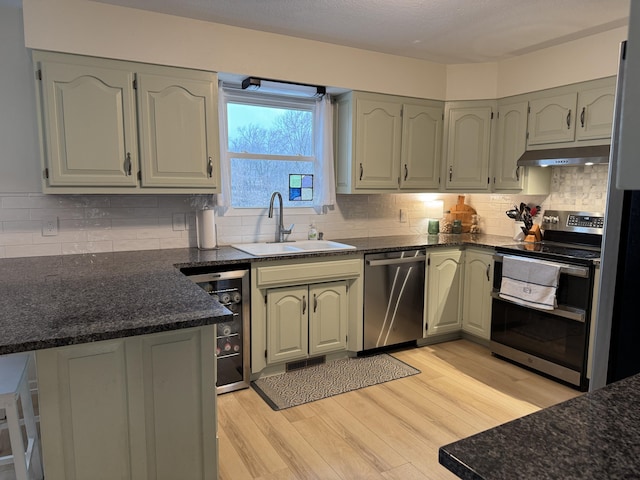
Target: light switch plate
49	226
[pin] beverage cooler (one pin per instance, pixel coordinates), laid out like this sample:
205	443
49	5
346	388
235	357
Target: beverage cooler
231	289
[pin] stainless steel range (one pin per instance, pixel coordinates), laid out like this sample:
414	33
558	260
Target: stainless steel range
551	337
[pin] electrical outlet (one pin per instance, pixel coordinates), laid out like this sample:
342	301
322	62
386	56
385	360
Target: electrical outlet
49	226
404	216
178	222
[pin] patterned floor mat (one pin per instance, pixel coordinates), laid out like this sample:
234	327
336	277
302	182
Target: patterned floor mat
332	378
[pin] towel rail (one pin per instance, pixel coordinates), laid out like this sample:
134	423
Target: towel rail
573	270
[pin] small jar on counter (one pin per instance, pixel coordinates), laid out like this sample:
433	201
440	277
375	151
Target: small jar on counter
457	226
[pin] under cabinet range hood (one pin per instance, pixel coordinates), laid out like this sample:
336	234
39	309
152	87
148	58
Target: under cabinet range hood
593	155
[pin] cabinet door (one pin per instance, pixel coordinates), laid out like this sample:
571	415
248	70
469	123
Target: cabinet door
444	287
552	119
178	131
140	407
511	139
287	323
595	113
89	125
328	317
478	281
421	145
468	143
84	411
378	142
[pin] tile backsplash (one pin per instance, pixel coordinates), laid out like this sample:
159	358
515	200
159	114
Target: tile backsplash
107	223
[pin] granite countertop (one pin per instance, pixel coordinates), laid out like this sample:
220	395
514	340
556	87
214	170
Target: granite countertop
594	436
69	299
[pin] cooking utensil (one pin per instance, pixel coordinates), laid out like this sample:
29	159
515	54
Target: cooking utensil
513	214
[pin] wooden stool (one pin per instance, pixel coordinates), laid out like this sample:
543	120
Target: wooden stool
14	386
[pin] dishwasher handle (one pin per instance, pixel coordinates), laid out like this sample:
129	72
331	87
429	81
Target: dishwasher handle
396	261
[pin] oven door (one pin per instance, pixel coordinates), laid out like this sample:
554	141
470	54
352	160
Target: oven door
550	341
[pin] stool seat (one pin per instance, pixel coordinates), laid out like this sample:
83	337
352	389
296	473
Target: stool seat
14	387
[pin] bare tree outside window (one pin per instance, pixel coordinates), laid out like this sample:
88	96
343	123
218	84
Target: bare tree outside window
267	144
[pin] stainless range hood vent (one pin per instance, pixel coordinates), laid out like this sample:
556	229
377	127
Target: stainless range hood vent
565	156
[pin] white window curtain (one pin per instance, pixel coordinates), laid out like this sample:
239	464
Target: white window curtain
223	199
324	170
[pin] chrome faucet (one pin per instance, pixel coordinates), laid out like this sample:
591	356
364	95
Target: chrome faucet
280	230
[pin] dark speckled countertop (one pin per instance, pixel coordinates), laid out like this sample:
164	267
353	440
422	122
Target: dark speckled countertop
69	299
594	436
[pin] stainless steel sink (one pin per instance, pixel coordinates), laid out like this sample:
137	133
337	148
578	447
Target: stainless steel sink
265	249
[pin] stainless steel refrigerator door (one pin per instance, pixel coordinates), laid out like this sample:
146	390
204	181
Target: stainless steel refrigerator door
393	298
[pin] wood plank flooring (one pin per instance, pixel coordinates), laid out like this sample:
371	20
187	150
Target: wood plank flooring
390	431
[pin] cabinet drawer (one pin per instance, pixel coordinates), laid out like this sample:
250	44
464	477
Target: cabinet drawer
307	272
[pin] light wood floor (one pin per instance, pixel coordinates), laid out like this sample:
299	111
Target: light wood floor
389	431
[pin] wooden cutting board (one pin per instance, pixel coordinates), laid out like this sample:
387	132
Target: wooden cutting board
462	211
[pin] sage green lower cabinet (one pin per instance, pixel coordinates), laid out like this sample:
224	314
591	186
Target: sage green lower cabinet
140	407
308	320
444	289
304	308
478	283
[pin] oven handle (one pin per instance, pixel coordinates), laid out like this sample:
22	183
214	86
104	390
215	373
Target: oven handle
560	311
573	270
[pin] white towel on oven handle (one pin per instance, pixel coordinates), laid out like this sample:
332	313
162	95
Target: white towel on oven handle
530	282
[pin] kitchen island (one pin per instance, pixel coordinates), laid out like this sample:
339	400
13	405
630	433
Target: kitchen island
594	436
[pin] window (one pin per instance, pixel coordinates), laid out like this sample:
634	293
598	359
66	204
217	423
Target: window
269	148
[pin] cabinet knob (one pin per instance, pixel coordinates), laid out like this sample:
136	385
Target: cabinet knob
406	172
582	116
304	304
361	171
315	303
450	173
487	272
210	168
569	120
517	174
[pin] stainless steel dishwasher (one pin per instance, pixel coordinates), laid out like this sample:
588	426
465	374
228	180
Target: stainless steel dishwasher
393	297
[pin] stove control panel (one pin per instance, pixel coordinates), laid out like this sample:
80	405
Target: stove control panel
585	221
568	221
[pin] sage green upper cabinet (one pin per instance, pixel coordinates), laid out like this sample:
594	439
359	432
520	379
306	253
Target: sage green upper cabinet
552	119
108	126
386	143
421	145
510	144
595	113
90	125
467	144
573	115
178	130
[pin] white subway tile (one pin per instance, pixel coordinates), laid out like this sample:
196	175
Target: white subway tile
128	245
13	251
86	247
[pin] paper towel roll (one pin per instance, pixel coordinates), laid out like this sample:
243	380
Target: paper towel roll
206	229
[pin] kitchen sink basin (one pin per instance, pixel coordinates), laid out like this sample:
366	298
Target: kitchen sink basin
264	249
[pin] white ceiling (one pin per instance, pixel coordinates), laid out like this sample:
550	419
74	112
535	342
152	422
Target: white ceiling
444	31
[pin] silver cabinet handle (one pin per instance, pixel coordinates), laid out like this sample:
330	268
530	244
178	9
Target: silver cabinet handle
406	172
210	168
569	120
450	173
315	303
361	171
127	165
304	304
582	116
488	270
